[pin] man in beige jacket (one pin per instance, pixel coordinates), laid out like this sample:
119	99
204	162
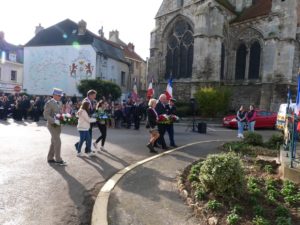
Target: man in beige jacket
53	107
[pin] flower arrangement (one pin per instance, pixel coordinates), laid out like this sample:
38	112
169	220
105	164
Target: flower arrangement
65	119
174	118
163	119
101	116
167	119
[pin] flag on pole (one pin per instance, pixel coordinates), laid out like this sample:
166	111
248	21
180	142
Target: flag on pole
134	94
169	90
150	91
297	110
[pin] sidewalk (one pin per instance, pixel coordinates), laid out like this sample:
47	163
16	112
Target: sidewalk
148	194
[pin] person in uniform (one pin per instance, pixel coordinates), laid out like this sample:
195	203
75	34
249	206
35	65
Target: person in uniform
171	110
53	107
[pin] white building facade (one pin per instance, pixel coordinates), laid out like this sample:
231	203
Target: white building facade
66	59
11	67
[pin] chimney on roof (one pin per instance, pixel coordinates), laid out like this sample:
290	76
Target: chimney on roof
38	29
101	32
81	27
1	36
114	36
131	47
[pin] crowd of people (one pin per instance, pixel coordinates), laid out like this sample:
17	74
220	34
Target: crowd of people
89	107
23	107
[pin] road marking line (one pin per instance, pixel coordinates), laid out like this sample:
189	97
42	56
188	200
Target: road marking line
99	215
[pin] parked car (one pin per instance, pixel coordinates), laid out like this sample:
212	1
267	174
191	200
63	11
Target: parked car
264	119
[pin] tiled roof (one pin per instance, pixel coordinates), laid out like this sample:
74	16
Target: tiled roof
65	33
7	48
127	52
260	8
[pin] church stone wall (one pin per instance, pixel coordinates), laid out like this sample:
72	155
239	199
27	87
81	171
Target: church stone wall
280	54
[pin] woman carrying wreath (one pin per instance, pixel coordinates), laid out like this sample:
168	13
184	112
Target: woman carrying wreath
152	124
102	118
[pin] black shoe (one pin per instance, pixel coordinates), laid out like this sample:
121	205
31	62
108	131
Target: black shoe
165	148
61	163
152	150
76	146
156	146
175	146
51	161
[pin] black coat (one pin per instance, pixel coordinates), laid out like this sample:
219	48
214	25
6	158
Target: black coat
161	109
151	118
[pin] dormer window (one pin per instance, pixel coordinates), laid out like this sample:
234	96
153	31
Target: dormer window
12	57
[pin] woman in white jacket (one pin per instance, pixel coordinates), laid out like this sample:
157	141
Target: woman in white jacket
83	127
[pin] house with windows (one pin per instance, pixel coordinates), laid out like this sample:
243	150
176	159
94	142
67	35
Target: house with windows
11	67
250	46
137	65
66	53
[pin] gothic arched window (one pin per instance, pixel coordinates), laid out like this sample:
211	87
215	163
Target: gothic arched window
240	65
222	69
254	65
180	51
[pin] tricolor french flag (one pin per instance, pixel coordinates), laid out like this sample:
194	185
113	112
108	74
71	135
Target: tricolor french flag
150	91
134	93
169	90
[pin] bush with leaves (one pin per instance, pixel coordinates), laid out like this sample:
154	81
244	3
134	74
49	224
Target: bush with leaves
253	138
214	205
275	141
258	220
194	172
213	101
104	88
223	175
233	218
283	221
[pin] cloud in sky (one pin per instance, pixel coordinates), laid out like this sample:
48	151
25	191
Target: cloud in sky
134	19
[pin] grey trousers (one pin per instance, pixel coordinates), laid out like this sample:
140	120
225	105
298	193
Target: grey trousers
55	145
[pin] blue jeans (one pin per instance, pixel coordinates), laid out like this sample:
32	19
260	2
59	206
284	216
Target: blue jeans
240	127
251	126
84	137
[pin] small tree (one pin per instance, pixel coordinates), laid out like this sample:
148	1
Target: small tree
104	88
212	101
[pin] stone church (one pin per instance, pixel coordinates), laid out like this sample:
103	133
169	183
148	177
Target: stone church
250	46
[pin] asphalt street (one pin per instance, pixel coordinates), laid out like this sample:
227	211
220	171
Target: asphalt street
33	192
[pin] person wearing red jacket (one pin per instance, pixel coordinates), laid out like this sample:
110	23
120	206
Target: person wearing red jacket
251	116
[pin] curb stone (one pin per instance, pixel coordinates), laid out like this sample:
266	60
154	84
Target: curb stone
99	215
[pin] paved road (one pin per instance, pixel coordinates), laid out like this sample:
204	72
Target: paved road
34	193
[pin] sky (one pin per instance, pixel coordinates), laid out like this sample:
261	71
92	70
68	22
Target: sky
134	19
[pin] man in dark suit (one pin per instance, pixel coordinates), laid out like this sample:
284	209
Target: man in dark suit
171	109
161	108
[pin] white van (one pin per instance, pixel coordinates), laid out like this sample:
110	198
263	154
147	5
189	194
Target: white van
282	113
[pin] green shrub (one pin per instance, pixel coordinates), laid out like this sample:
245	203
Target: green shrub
258	220
283	221
281	211
275	141
258	210
232	218
214	205
237	209
268	169
253	187
200	193
223	175
289	188
253	138
194	172
213	101
235	146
